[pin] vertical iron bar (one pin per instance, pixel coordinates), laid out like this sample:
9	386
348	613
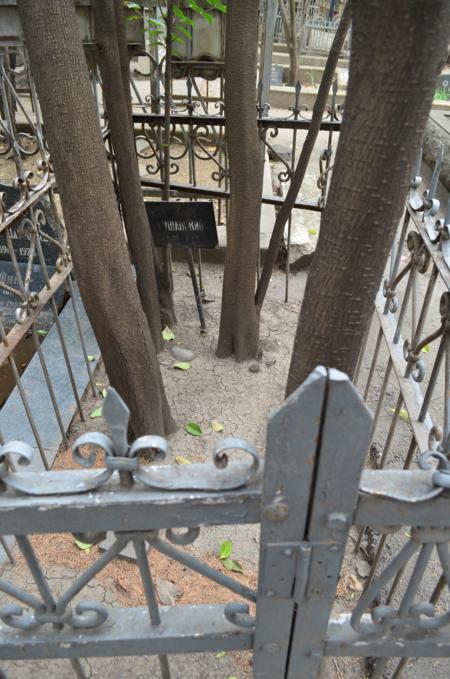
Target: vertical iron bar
66	358
49	384
198	299
26	405
80	332
150	595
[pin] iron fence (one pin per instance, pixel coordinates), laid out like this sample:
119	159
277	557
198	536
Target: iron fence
305	515
42	322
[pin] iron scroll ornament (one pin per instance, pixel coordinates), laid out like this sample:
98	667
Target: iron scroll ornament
124	458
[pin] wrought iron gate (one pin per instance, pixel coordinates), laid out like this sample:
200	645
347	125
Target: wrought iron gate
312	492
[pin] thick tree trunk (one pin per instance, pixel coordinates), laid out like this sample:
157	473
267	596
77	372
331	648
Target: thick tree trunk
397	51
305	155
239	323
135	216
90	210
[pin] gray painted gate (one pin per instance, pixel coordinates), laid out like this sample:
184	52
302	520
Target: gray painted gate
311	493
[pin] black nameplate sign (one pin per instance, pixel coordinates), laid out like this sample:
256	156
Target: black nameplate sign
20	234
182	225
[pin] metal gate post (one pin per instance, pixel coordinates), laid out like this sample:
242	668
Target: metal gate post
292	437
343	444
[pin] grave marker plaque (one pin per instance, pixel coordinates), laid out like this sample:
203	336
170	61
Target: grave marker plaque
276	74
19	234
9	302
182	225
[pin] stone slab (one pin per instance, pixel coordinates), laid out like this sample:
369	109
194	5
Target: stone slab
14	422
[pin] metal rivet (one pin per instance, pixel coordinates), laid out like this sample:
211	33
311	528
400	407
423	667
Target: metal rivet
333	548
337	520
277	510
271	647
287	551
270	592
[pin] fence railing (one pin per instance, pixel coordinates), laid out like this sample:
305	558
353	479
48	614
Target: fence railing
43	343
306	515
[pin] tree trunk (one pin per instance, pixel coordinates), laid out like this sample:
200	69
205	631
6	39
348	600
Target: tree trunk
305	155
397	51
90	210
290	34
135	216
239	323
121	32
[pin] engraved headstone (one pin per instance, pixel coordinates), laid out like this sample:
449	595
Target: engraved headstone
276	74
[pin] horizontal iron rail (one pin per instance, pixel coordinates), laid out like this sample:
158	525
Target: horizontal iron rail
212	192
127	632
380	502
33	198
116	508
266	122
19	330
342	640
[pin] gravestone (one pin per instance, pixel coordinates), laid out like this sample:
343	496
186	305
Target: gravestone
443	85
21	243
19	234
182	225
276	74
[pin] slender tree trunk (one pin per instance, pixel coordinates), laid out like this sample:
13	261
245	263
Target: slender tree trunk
305	155
165	298
239	323
119	14
290	33
397	51
135	216
90	210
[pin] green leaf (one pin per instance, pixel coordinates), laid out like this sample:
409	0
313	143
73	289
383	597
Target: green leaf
196	8
182	16
179	459
232	565
91	358
194	429
233	677
226	549
132	5
216	426
313	232
104	393
403	414
157	22
426	349
168	334
176	38
85	546
184	32
96	413
41	332
182	365
221	654
217	4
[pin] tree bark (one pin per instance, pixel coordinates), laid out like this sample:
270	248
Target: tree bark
239	323
90	210
290	33
397	51
135	216
305	155
119	14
